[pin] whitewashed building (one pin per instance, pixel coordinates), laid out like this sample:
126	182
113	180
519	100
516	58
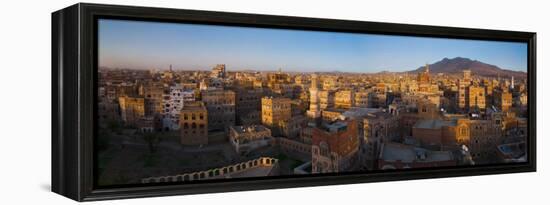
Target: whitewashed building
173	103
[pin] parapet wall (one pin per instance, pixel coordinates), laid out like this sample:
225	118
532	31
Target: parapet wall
217	173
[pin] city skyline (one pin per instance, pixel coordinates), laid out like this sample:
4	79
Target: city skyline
154	45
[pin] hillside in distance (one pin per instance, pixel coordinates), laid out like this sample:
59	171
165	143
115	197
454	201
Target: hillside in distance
458	64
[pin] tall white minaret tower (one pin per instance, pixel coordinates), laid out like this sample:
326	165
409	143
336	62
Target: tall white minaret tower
314	107
512	84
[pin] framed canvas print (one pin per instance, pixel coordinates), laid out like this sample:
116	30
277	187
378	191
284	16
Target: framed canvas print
154	102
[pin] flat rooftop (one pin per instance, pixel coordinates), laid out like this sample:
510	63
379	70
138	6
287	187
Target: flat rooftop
248	129
335	126
408	153
362	112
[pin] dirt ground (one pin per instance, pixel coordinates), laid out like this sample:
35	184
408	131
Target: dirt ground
128	158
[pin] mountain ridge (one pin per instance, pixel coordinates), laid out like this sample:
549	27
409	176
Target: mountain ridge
458	64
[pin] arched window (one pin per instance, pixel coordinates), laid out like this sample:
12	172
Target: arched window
463	131
323	146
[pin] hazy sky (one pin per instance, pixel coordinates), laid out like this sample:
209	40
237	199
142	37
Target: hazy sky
147	45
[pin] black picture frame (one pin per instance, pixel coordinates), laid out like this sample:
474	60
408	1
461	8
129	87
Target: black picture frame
74	70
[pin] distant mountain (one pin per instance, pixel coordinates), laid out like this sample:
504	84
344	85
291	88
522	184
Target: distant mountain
384	72
458	64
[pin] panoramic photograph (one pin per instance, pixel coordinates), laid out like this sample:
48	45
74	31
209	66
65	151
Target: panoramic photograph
181	102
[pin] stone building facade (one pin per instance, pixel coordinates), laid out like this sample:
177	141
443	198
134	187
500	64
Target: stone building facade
221	108
326	99
335	147
503	100
378	128
361	98
481	136
153	93
275	113
476	96
434	132
131	110
248	138
463	85
344	99
248	102
218	71
193	124
291	128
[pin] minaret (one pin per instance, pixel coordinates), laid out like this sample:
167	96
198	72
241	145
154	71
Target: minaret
424	76
427	73
314	111
512	85
427	70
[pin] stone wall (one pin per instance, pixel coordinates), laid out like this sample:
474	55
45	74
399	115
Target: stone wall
217	173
